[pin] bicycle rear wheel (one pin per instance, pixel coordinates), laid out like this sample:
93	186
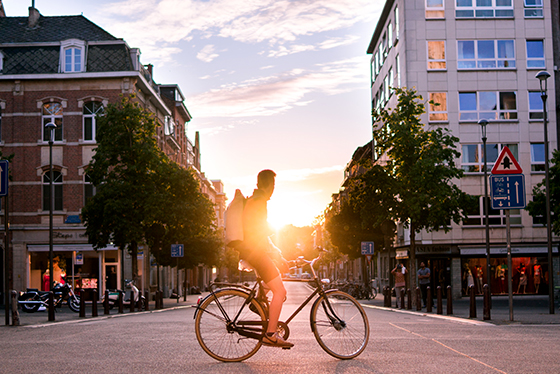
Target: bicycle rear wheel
340	325
218	336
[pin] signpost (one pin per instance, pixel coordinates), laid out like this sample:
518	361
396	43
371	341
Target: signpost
368	251
177	250
4	174
507	187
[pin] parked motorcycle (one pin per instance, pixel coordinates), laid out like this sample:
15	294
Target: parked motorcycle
33	299
132	290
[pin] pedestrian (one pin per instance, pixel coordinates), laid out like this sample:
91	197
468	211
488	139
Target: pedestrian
263	255
400	281
424	281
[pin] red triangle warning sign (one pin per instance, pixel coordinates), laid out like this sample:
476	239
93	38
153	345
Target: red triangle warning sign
506	163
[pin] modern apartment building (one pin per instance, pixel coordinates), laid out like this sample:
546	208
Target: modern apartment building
65	70
477	60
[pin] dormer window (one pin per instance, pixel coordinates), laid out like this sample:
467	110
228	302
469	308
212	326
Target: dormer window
72	56
1	61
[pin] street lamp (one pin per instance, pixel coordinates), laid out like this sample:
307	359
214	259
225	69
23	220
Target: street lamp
543	76
50	127
483	123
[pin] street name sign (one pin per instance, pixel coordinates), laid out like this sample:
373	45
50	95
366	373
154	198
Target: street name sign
4	173
177	250
507	191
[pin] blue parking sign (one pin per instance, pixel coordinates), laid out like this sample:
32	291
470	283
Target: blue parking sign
4	173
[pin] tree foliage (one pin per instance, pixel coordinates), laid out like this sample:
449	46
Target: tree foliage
537	207
141	196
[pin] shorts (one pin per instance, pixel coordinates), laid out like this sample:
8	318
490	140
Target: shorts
262	263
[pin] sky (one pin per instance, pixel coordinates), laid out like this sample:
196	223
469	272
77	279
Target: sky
270	84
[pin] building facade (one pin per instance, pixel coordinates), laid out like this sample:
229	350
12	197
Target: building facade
477	60
65	70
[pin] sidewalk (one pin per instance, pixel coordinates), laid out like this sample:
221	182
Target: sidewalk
527	309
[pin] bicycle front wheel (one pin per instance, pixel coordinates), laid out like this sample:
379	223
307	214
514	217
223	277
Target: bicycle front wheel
219	336
340	325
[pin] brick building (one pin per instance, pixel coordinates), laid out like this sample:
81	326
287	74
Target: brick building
65	70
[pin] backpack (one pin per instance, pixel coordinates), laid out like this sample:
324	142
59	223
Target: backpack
234	220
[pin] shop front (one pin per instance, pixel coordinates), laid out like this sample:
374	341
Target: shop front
529	272
79	265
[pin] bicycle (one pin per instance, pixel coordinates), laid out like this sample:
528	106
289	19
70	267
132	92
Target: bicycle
231	321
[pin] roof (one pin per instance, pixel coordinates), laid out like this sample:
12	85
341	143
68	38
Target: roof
380	25
51	29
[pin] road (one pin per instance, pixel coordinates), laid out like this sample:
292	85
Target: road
164	342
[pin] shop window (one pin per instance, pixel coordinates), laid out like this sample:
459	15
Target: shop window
57	186
533	8
91	111
438	107
472	156
535	54
537	157
535	106
436	55
489	105
52	113
435	9
484	8
485	54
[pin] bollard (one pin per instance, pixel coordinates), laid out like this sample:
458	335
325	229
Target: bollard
486	311
387	297
418	299
402	298
409	299
449	301
147	302
15	313
94	303
161	299
156	299
139	302
439	300
121	302
82	303
472	311
131	302
51	306
106	303
429	301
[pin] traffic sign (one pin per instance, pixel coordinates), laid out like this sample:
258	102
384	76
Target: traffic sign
177	250
367	248
506	163
507	191
4	173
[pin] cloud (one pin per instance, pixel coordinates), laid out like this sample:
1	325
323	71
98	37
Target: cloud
207	54
270	95
327	44
151	23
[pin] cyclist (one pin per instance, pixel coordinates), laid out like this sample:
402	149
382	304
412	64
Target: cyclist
265	257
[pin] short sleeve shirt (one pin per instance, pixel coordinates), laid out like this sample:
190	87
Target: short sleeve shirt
424	271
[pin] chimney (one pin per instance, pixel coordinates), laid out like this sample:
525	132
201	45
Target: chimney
150	68
2	12
34	16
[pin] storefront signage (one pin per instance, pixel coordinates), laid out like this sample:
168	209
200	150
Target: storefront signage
401	254
503	250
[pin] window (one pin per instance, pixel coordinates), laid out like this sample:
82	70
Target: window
398	69
390	35
52	112
435	9
535	105
473	156
90	111
0	122
438	107
489	105
537	157
485	54
1	61
57	186
484	8
72	59
535	54
436	55
397	31
533	8
169	126
391	78
476	215
89	188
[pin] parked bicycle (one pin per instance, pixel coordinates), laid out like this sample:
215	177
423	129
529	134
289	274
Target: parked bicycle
231	321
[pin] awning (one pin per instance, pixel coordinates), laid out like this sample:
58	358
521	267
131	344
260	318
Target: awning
66	248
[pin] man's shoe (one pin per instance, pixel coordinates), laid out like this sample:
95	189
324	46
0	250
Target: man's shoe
276	341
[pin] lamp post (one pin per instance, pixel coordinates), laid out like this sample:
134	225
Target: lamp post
483	123
542	76
50	128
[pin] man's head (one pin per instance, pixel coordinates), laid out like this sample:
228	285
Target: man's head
422	265
265	181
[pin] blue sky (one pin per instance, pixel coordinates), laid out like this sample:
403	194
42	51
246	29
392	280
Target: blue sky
271	84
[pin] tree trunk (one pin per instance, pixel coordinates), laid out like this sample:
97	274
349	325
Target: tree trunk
134	255
412	265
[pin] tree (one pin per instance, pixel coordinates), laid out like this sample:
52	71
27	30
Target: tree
414	185
537	207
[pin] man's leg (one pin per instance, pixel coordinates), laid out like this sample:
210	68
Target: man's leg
278	295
